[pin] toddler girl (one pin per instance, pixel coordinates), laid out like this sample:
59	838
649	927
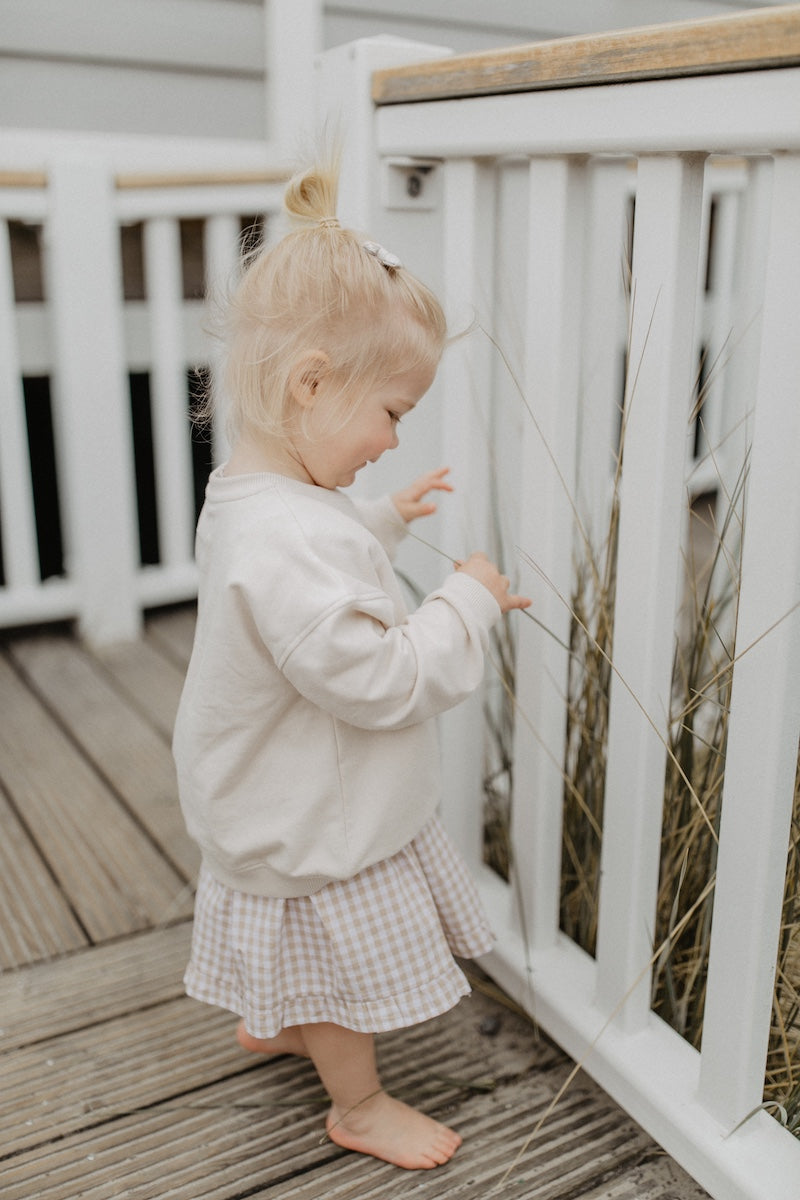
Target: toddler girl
330	901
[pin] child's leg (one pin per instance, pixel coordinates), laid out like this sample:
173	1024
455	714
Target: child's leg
362	1116
288	1041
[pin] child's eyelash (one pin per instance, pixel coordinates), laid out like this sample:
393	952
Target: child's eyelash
395	417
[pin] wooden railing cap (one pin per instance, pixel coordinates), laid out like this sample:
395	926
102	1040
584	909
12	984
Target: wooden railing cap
745	41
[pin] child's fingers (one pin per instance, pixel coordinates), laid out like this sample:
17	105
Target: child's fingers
433	481
514	601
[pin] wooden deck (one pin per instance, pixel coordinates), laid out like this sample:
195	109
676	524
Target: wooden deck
114	1084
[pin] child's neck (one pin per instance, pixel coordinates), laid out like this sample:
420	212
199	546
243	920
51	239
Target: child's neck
251	456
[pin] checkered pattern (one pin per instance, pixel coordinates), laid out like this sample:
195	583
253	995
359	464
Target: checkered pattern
371	953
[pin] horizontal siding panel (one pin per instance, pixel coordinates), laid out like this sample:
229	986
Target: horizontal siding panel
103	98
199	35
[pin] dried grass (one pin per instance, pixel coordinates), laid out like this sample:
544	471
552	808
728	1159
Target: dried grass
693	786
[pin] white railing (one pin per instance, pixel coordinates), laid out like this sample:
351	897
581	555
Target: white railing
516	211
86	341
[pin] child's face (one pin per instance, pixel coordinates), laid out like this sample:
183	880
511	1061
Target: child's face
333	459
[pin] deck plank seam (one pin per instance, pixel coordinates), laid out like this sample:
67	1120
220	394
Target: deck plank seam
49	870
96	768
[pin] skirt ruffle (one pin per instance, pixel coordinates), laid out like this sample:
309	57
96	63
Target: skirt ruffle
371	953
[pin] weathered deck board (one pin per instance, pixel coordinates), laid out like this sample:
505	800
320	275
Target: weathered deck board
138	766
35	919
49	999
115	880
148	678
159	1100
172	631
114	1084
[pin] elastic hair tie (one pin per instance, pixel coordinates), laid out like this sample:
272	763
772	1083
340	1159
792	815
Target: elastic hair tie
329	222
384	256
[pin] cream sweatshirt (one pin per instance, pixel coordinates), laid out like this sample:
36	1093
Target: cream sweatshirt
305	739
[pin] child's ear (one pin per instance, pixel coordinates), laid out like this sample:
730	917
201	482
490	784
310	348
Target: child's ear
306	376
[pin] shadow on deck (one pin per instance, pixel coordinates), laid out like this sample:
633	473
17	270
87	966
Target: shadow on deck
114	1084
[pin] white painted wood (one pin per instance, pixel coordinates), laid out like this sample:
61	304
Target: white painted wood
652	1074
20	556
345	111
168	391
715	465
603	340
203	200
91	403
749	264
765	709
547	523
643	1063
658	401
468	203
23	204
55	600
734	113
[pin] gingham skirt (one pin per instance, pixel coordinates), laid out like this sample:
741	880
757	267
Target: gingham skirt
371	953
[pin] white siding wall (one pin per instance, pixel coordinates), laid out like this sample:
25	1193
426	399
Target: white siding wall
198	68
167	67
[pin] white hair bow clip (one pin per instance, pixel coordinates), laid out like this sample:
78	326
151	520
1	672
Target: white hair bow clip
384	257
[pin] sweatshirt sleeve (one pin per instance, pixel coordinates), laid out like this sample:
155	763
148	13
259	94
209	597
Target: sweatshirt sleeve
383	521
376	675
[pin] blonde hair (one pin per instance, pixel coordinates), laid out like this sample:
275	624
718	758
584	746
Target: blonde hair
319	290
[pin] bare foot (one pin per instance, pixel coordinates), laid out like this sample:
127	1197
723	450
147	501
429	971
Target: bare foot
387	1128
288	1041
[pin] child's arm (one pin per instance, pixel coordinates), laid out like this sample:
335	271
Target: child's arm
388	516
410	504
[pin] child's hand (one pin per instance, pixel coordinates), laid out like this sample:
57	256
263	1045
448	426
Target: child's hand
480	568
409	502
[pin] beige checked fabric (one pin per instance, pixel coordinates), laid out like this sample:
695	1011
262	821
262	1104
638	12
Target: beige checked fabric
371	953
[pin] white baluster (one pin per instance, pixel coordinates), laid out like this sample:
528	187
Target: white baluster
764	721
20	558
168	391
652	504
465	378
556	219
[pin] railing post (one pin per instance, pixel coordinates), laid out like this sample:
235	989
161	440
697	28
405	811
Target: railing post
659	391
344	102
91	398
763	736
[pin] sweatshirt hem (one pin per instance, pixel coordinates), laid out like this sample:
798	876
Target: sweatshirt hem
262	882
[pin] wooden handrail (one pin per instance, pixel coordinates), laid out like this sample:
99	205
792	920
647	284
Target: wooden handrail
153	179
743	42
23	179
131	181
